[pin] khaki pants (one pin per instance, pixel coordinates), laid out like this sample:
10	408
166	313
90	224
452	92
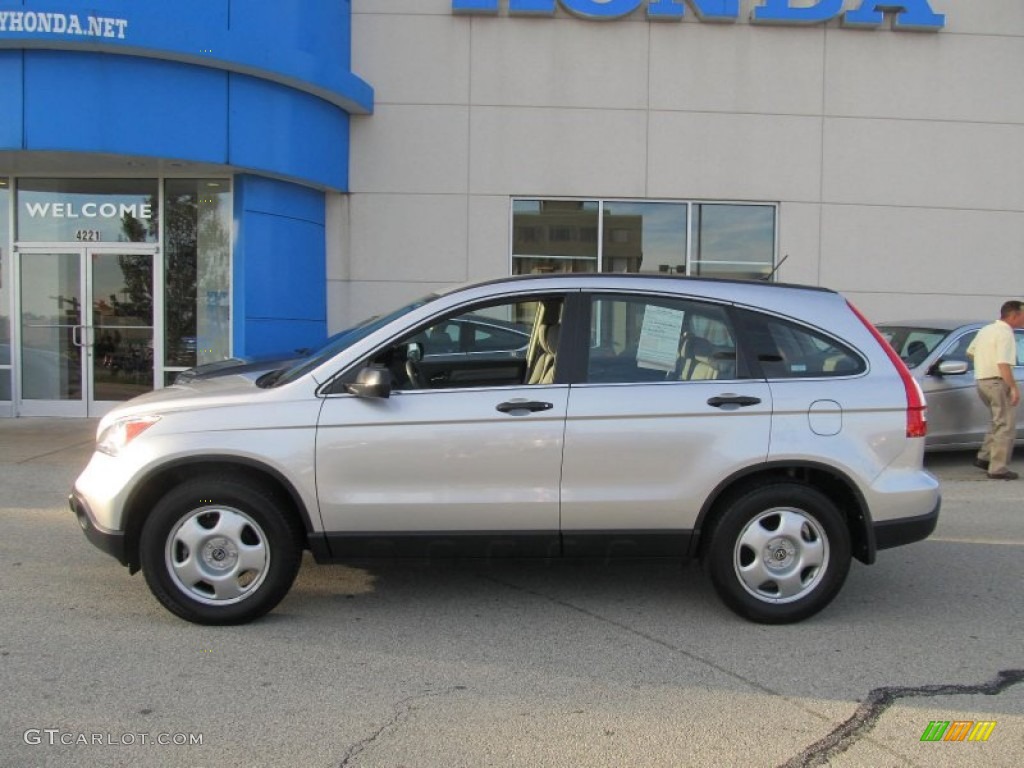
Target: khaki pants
998	446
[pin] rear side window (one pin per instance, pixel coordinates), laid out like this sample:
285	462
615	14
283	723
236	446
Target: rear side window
786	350
638	339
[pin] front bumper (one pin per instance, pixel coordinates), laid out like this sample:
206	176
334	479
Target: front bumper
111	542
896	533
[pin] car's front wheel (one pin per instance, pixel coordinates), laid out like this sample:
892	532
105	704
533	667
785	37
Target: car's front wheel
779	553
220	551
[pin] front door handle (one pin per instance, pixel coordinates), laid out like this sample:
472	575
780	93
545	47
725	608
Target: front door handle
741	400
524	405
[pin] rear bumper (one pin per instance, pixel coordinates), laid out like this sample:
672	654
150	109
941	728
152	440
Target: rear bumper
896	533
111	542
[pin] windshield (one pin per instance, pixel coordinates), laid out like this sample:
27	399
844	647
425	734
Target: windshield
913	344
337	343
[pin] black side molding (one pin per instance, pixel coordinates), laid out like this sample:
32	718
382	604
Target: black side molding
896	533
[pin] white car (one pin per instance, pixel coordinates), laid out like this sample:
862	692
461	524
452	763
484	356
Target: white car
766	429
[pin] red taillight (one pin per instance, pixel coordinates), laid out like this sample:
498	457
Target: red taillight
917	411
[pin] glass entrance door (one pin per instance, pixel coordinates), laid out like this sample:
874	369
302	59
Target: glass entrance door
87	334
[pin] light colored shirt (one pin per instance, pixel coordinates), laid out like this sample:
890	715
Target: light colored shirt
994	344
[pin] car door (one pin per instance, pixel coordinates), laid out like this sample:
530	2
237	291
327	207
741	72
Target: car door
956	415
661	415
445	465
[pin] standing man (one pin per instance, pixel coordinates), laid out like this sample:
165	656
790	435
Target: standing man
994	351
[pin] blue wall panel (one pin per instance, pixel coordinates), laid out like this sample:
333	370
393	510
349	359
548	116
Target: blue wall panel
305	43
280	284
281	130
11	103
85	102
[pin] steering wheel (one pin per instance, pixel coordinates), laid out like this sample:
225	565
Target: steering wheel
413	355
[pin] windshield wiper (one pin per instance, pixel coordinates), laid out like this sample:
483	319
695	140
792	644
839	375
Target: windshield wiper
269	379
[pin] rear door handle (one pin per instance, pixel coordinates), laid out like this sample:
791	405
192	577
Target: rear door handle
741	400
524	405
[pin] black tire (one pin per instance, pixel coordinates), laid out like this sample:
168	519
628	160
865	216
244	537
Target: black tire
220	550
779	553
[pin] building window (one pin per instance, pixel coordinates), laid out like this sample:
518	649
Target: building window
5	290
556	250
197	271
735	241
730	240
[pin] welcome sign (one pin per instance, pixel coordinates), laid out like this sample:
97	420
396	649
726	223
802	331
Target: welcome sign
913	15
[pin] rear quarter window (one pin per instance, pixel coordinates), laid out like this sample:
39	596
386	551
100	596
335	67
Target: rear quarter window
787	350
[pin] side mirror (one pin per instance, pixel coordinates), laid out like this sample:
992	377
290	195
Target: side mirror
371	383
950	368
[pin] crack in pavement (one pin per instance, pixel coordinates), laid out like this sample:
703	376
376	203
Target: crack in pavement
651	639
843	736
880	699
402	710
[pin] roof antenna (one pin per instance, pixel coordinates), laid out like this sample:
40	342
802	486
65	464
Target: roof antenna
775	269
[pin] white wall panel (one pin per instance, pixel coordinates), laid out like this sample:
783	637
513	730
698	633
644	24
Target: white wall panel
353	301
925	77
734	157
417	237
927	250
736	68
410	149
489	247
986	17
921	163
799	243
557	152
560	63
419	7
413	59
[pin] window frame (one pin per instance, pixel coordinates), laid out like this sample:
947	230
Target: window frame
693	265
580	359
750	322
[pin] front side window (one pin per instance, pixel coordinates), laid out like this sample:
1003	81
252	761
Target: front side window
653	339
504	344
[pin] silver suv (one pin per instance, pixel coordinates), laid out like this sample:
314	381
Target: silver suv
766	429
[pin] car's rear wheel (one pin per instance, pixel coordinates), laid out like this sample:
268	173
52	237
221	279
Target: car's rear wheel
779	553
220	551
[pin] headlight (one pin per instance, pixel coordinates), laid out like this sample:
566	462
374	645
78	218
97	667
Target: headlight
115	437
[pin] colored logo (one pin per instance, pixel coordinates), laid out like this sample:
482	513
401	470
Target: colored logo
916	15
958	730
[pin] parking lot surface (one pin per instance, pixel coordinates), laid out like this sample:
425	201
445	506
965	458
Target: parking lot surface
480	663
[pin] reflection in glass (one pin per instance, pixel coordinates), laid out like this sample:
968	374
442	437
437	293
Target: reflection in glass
197	271
88	210
644	237
5	288
51	327
554	236
734	241
122	320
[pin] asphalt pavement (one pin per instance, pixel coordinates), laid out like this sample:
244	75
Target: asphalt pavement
507	664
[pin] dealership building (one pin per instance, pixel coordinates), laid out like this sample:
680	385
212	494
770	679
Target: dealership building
180	182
